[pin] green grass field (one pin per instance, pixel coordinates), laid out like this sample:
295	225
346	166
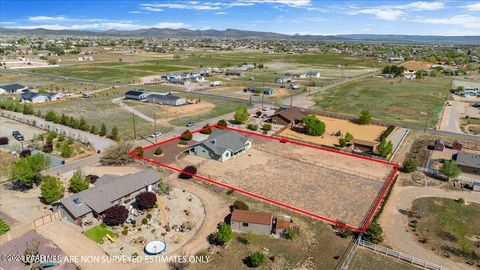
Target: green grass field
128	71
364	259
401	101
98	233
448	227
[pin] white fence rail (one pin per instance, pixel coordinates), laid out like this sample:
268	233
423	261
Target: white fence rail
399	255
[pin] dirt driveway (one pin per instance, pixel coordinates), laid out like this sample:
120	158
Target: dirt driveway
8	126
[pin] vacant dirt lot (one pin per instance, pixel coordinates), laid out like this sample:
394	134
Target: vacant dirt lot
327	184
332	126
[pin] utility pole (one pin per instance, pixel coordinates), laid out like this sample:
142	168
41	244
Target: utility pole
426	122
291	101
134	129
155	126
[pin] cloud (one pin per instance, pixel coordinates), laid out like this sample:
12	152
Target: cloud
394	12
174	25
221	13
46	18
290	3
137	12
467	21
473	7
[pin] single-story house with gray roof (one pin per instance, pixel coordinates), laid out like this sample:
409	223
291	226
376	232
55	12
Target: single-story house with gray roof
166	99
109	190
468	162
221	145
12	88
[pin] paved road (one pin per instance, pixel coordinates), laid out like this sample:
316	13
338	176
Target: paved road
97	142
394	223
73	165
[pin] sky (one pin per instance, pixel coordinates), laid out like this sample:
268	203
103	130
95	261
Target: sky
319	17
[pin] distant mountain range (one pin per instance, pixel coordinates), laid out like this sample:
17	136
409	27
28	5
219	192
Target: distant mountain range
183	33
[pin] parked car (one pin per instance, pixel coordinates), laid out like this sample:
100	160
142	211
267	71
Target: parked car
267	108
18	136
476	105
190	124
449	104
156	134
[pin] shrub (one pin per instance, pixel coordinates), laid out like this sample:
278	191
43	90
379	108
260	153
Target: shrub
224	234
267	127
158	151
4	226
92	178
78	183
186	135
313	126
256	259
206	129
146	200
52	189
409	165
291	233
3	140
258	113
163	187
139	151
240	205
117	154
149	216
222	123
125	231
461	201
253	127
116	215
66	151
183	142
144	221
187	172
385	148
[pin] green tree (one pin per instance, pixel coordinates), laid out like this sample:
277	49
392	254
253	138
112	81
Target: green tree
342	142
384	148
52	189
241	115
312	125
117	154
114	134
365	117
4	226
224	234
450	169
374	233
66	151
103	130
348	137
409	165
256	259
186	135
460	89
26	171
78	183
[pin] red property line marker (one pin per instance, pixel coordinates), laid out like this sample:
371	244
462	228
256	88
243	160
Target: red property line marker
362	229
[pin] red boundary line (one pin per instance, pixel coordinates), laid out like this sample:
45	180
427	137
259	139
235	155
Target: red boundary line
335	222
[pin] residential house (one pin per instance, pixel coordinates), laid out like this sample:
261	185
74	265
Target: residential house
166	99
409	74
136	94
234	72
216	83
364	146
109	190
269	91
468	162
313	74
288	116
179	81
32	97
221	145
12	88
283	80
54	96
249	221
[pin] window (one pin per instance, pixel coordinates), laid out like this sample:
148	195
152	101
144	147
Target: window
244	224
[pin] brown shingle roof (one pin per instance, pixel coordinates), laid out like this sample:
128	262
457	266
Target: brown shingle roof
252	217
292	114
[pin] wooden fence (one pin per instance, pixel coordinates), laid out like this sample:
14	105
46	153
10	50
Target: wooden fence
22	229
400	255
